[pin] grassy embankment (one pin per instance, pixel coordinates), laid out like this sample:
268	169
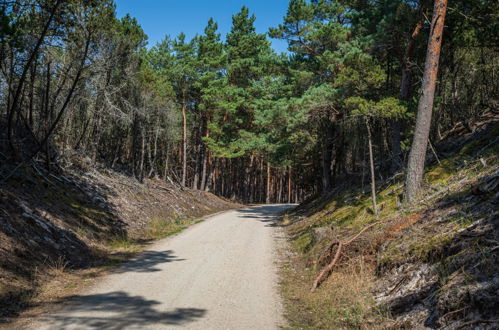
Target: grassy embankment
428	233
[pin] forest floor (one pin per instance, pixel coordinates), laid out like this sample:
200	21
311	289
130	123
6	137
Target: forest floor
60	231
432	266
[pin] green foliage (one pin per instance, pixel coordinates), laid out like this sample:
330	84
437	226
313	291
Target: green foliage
245	104
385	108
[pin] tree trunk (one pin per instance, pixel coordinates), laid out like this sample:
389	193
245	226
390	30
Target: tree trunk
153	159
371	163
267	199
417	156
404	93
210	177
165	172
184	144
142	155
200	155
279	187
206	154
204	171
327	149
14	106
47	115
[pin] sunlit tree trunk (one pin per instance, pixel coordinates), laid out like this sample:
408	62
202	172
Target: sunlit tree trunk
417	156
184	143
267	200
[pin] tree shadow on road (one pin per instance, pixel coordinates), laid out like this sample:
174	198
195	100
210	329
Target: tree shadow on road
266	213
117	310
147	262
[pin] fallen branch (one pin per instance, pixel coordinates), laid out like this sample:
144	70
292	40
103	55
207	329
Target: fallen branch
43	176
327	270
445	190
471	323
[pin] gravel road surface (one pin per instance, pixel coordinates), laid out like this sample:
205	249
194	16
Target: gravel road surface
218	274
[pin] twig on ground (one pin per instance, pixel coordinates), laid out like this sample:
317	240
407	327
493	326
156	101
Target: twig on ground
327	270
494	142
8	176
434	152
43	176
476	322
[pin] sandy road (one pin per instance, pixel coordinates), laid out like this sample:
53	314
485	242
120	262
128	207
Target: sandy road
219	274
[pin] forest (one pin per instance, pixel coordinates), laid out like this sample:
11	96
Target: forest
363	93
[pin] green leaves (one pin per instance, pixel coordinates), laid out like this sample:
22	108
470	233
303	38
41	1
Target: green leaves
387	108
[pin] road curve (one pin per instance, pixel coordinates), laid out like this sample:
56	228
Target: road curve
219	274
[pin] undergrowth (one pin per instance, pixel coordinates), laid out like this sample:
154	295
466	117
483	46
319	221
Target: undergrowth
345	301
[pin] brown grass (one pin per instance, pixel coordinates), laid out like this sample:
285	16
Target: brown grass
344	301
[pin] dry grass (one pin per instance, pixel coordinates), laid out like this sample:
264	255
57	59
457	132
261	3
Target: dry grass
160	227
343	301
57	267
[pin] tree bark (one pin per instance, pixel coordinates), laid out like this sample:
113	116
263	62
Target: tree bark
210	177
206	156
200	155
280	186
65	103
417	156
267	199
371	164
204	170
327	149
14	105
184	144
404	93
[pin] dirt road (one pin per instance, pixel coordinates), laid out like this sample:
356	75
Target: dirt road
219	274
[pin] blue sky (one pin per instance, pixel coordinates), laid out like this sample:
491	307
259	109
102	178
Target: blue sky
161	17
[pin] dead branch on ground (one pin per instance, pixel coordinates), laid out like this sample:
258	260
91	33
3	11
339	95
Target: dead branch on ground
328	269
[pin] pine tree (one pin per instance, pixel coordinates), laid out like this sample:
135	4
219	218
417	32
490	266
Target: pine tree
417	156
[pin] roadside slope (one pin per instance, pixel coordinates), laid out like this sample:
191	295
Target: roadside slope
434	265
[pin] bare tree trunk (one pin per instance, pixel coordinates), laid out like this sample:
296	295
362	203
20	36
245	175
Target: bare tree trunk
142	154
154	159
204	171
279	188
222	178
165	172
327	149
184	144
261	185
371	163
267	199
200	155
32	95
47	115
417	156
246	187
65	103
289	185
14	105
405	88
210	177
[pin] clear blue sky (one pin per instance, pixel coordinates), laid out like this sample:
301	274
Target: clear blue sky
161	17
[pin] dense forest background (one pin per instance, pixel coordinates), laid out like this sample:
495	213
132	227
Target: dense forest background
229	115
